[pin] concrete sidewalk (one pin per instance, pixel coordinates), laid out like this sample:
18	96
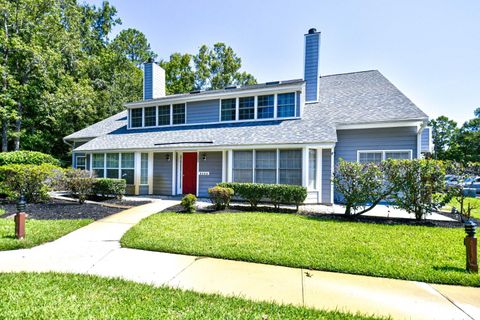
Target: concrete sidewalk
95	249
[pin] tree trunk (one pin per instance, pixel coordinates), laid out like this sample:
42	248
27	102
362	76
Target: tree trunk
18	128
4	135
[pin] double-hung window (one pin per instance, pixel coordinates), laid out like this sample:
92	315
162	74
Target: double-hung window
290	167
377	156
98	164
266	166
127	167
136	116
179	113
113	164
150	117
265	106
246	108
286	105
163	115
243	166
228	109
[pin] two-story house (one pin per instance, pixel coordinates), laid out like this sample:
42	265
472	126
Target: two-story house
291	132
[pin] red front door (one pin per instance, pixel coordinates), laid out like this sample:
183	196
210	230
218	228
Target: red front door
189	180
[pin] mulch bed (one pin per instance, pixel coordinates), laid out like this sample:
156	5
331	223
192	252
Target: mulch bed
323	216
62	209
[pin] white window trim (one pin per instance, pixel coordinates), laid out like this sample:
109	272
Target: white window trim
383	152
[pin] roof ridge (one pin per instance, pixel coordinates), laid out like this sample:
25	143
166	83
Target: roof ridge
345	73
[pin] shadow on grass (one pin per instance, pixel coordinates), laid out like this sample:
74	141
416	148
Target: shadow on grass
449	268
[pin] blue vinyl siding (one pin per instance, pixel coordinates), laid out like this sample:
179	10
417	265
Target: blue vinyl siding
425	140
213	165
312	51
203	111
326	176
398	138
162	173
298	104
148	81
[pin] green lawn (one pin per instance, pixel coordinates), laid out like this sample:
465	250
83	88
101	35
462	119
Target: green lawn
406	252
37	232
474	202
60	296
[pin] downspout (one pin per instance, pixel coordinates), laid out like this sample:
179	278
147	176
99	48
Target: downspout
419	139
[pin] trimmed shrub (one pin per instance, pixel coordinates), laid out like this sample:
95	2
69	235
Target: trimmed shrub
220	196
27	157
106	187
79	183
188	203
33	181
275	193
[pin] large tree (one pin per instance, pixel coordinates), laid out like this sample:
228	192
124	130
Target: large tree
134	45
443	133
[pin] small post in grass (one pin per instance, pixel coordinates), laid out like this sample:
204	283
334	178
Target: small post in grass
470	242
20	218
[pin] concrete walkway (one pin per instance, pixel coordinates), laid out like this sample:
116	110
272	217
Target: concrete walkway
95	249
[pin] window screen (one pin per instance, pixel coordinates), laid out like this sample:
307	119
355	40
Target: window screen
98	164
113	165
367	157
243	166
266	166
128	166
397	155
290	167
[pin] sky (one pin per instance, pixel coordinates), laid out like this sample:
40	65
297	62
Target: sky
430	50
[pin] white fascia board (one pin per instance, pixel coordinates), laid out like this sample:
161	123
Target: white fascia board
372	125
220	148
224	94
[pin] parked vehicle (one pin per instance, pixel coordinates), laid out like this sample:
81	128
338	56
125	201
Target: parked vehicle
472	183
451	180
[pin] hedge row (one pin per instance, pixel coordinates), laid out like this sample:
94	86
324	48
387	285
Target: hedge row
106	187
27	157
275	193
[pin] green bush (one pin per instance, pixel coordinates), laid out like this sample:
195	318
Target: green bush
79	183
107	187
188	203
275	193
33	181
27	157
220	196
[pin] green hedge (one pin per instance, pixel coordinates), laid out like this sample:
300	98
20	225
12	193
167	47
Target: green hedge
275	193
33	181
107	187
27	157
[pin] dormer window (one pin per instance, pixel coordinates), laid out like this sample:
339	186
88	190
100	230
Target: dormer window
164	115
246	108
228	109
150	117
179	113
136	118
265	106
286	105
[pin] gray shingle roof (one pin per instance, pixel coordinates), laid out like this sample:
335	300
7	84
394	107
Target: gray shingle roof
351	98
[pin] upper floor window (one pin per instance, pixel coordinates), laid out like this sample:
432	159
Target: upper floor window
150	117
179	113
164	115
265	106
246	108
136	116
228	109
286	105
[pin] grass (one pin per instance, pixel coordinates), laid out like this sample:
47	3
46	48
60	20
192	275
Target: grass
61	296
37	232
435	255
474	202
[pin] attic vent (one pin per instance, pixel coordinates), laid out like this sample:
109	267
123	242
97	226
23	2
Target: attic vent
230	87
195	91
271	83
